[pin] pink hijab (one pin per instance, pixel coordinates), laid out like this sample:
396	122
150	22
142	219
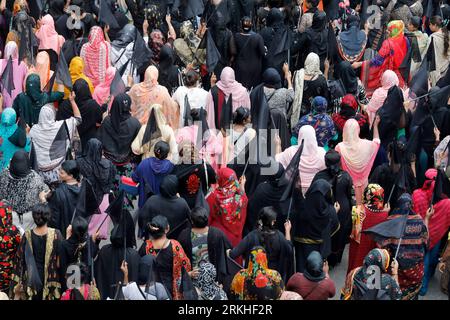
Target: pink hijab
43	68
357	154
95	55
102	91
312	159
388	80
47	35
149	92
19	72
228	85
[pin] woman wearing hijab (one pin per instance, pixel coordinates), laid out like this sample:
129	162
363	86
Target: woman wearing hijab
193	173
317	223
155	129
388	80
390	56
50	147
316	37
150	172
9	130
20	187
277	245
122	51
352	84
47	35
64	198
96	56
372	212
19	73
342	191
118	131
225	88
413	247
358	155
102	92
348	110
75	247
43	68
228	205
320	121
169	74
76	68
314	283
90	111
312	159
189	95
8	245
356	283
352	42
437	227
249	56
257	281
108	271
169	255
167	204
149	92
309	82
28	104
206	285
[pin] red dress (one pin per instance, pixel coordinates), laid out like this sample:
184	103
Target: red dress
358	251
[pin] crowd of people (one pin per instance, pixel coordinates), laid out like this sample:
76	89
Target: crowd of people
224	149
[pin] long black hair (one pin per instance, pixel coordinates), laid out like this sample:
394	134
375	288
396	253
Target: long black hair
266	226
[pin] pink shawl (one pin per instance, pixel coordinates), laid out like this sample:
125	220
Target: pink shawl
388	80
357	154
95	55
19	73
145	94
312	159
228	85
102	91
47	35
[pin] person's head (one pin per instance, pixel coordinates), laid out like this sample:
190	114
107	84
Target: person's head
79	228
41	214
197	114
404	204
84	273
314	267
389	79
319	105
377	257
169	186
186	29
246	24
191	78
241	116
20	166
349	102
353	21
199	217
312	4
267	218
158	227
146	267
69	171
333	160
395	28
435	23
161	150
271	78
151	75
414	24
373	197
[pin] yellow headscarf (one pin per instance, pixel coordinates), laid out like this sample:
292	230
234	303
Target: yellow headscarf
396	28
76	68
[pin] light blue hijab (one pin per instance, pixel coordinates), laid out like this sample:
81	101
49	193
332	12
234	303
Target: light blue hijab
7	128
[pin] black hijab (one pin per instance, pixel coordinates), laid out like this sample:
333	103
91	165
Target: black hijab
20	166
97	170
168	72
318	34
152	130
271	78
120	110
118	233
82	92
56	9
314	267
348	76
169	186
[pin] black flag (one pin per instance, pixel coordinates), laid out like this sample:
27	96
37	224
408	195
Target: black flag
115	208
59	146
7	78
36	7
33	158
106	16
212	53
19	138
394	228
292	173
87	203
187	287
49	86
441	187
226	114
187	112
62	72
141	52
117	85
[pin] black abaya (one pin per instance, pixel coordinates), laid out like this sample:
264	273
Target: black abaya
63	203
249	59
